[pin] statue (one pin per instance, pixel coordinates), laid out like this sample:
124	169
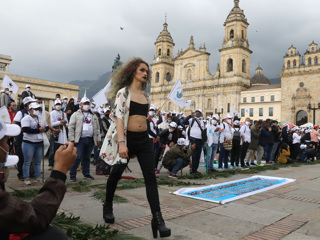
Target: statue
116	63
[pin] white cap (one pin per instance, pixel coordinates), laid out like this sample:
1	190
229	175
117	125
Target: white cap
57	102
93	103
152	107
180	127
181	141
174	112
295	129
198	110
27	86
84	100
227	116
2	91
28	99
107	109
216	117
65	97
303	146
173	124
236	122
34	105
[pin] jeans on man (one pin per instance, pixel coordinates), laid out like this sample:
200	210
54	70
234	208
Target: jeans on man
260	152
274	150
212	154
267	152
196	153
84	149
32	151
223	157
180	163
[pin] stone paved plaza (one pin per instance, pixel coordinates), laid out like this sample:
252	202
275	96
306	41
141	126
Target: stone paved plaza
288	212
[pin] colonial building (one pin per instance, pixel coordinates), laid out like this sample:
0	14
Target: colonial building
46	90
300	85
209	92
262	100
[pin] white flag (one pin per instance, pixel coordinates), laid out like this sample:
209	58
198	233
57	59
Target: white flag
176	94
8	83
100	98
4	115
107	87
188	103
234	112
247	110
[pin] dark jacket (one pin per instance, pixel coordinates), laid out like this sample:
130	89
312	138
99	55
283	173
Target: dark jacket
174	153
27	94
265	133
18	216
270	139
285	136
255	134
165	134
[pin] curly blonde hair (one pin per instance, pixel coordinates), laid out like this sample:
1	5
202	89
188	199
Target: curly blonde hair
123	77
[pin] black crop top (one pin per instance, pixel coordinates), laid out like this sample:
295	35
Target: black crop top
138	109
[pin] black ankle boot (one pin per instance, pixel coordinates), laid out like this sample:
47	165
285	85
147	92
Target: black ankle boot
108	213
157	224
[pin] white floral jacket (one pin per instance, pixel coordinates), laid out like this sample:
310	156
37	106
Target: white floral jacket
110	149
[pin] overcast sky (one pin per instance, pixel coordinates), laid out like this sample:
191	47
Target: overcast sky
64	40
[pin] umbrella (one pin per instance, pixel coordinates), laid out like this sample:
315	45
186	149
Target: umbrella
307	125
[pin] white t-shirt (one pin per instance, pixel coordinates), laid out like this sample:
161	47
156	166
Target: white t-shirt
295	138
213	136
19	116
246	132
33	123
56	117
87	127
195	131
227	132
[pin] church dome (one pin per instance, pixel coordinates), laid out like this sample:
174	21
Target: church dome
259	78
236	14
164	36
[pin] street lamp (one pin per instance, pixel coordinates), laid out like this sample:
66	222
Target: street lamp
314	111
217	112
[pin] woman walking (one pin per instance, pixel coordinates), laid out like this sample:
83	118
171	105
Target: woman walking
128	137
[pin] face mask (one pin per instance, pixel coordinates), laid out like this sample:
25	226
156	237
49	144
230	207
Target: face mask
214	122
151	113
248	123
7	92
229	121
14	108
28	89
36	112
58	107
65	101
10	93
4	163
171	130
86	107
169	121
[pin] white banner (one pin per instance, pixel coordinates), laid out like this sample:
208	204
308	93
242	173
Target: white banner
234	112
188	103
100	98
8	83
107	87
176	94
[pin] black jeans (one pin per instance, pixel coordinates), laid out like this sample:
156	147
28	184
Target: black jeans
196	153
243	153
235	155
138	144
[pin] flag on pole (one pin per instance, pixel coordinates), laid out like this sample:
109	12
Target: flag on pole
188	103
176	94
8	83
234	112
107	87
85	93
100	97
4	115
247	110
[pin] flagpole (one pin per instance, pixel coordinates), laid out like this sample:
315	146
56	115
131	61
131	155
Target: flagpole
162	106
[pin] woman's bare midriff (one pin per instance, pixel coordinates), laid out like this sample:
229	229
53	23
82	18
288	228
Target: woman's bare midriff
137	123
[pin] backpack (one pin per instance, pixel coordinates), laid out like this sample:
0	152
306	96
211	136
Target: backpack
203	131
236	138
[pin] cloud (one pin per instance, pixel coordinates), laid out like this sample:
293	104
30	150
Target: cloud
64	40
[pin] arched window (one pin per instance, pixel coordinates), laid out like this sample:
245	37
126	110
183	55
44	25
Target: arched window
244	66
309	61
189	74
294	63
168	77
242	34
301	118
289	64
316	60
159	52
230	65
291	53
312	49
168	52
209	104
157	77
231	34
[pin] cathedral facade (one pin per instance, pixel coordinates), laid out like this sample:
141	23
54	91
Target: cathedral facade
212	93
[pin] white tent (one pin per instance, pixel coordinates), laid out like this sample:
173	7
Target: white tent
307	125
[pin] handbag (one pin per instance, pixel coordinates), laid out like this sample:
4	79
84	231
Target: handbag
227	146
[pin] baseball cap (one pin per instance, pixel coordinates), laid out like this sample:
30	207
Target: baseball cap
227	116
34	105
152	107
57	102
65	97
181	141
28	99
173	124
10	130
198	110
27	86
84	100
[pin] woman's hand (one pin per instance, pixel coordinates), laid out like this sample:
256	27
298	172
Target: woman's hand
123	150
42	129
